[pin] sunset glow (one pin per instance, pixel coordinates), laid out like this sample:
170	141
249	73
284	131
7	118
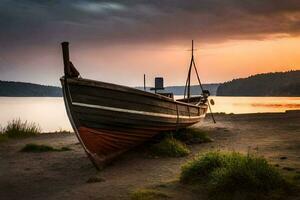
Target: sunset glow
112	41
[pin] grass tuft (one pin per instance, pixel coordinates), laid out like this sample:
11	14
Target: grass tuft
65	149
3	137
170	147
200	167
229	174
18	129
192	136
297	177
147	194
37	148
95	180
61	131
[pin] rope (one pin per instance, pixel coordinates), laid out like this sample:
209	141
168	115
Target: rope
200	84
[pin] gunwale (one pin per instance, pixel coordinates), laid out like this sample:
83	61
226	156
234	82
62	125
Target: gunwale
122	88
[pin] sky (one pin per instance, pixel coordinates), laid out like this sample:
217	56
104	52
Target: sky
119	41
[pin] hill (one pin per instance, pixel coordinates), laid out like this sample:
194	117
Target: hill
268	84
21	89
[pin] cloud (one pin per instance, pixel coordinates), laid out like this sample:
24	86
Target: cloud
101	7
35	22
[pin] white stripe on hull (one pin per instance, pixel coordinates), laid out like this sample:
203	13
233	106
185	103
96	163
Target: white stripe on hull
135	111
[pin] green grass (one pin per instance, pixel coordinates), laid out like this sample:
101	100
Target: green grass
192	136
3	137
61	131
37	148
228	175
296	177
18	129
95	180
173	144
148	194
169	147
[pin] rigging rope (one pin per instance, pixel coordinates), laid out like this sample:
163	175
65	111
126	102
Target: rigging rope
187	85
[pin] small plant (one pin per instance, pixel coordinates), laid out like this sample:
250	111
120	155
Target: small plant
3	137
192	135
37	148
230	174
65	149
18	129
147	194
95	180
170	147
200	167
61	131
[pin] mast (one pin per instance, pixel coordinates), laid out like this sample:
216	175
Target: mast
187	89
190	71
188	82
144	82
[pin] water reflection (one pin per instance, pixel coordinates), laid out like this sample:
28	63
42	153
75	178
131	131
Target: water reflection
275	105
255	104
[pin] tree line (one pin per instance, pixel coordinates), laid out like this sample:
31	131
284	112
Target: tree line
267	84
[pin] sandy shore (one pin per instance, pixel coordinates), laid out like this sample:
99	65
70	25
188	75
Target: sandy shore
64	175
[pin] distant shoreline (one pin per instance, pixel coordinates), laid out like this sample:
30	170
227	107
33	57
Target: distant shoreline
279	84
22	89
267	84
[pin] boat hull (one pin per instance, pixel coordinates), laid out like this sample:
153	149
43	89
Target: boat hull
109	119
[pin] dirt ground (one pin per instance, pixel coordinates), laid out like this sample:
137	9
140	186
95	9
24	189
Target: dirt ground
65	175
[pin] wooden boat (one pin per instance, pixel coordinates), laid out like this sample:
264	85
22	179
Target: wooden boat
108	119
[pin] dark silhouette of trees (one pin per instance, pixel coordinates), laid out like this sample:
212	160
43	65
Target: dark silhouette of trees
20	89
268	84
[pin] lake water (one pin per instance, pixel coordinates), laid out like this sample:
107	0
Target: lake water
50	114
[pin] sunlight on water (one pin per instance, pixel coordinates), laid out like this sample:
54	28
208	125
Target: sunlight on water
238	105
255	104
50	112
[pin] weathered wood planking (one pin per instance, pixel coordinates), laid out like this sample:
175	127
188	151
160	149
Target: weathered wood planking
109	119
